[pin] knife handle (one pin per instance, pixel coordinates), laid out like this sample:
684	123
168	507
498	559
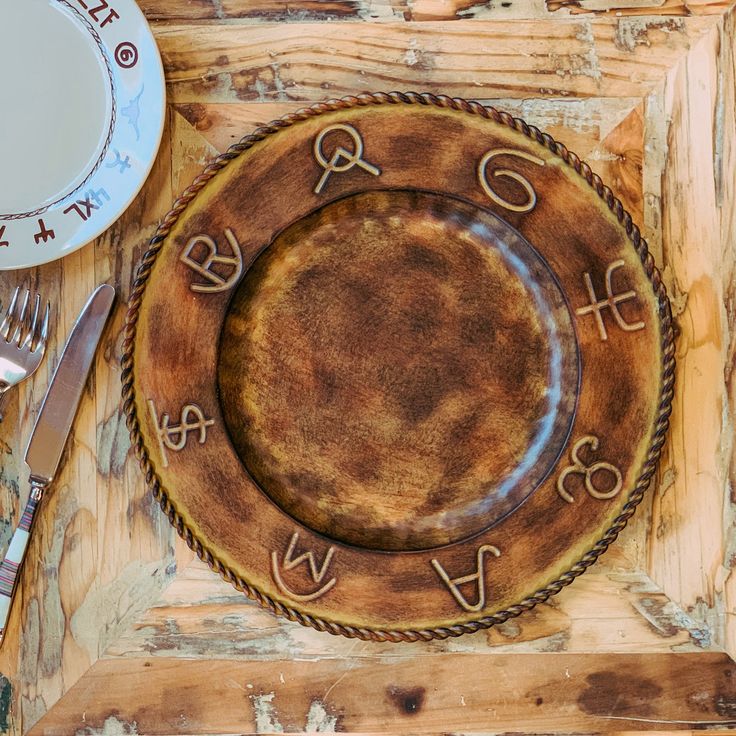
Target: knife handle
13	562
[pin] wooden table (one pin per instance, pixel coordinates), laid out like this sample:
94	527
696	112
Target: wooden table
119	630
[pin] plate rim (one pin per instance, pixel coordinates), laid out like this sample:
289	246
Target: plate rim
156	69
659	427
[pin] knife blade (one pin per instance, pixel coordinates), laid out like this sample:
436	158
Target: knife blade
55	418
51	430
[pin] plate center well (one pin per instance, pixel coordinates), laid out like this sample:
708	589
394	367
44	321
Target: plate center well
398	370
56	103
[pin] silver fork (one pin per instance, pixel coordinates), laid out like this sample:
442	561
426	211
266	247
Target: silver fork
22	341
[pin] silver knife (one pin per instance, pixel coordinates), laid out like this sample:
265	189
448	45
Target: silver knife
52	429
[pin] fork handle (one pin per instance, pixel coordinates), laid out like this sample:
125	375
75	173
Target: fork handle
13	562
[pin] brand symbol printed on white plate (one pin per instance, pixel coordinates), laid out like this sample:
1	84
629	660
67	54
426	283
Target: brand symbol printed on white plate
82	121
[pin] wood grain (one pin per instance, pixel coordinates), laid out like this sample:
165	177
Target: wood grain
463	692
697	513
259	11
98	532
684	183
642	8
607	610
304	62
582	123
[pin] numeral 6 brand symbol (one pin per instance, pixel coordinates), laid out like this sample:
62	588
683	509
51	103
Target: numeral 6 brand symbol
531	201
588	472
126	55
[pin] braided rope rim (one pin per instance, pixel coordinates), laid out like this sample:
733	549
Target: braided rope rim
397	98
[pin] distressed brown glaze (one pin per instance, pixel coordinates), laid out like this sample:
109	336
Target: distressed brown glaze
311	551
398	370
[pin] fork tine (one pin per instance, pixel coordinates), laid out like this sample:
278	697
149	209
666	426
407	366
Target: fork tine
44	329
28	342
8	319
22	319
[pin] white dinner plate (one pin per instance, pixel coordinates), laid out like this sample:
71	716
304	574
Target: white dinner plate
82	101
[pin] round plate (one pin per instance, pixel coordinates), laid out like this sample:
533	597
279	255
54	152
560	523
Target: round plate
83	110
403	366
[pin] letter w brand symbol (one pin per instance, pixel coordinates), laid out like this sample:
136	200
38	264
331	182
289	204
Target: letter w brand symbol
317	572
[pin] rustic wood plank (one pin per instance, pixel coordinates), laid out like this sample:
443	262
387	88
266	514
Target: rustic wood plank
725	195
135	544
275	10
418	10
190	151
692	540
199	615
692	524
463	692
643	8
308	62
98	536
618	160
34	660
580	124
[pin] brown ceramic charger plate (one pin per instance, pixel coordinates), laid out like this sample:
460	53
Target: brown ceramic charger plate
398	366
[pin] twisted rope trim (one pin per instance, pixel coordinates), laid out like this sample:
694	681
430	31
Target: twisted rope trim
665	398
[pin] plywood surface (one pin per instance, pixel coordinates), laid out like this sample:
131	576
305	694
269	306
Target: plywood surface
116	623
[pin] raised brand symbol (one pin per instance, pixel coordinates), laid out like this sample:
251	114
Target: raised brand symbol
316	573
611	302
477	577
126	55
531	195
588	471
348	158
174	437
232	262
123	164
43	233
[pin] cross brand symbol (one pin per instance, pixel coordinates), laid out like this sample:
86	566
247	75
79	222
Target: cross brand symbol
611	302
